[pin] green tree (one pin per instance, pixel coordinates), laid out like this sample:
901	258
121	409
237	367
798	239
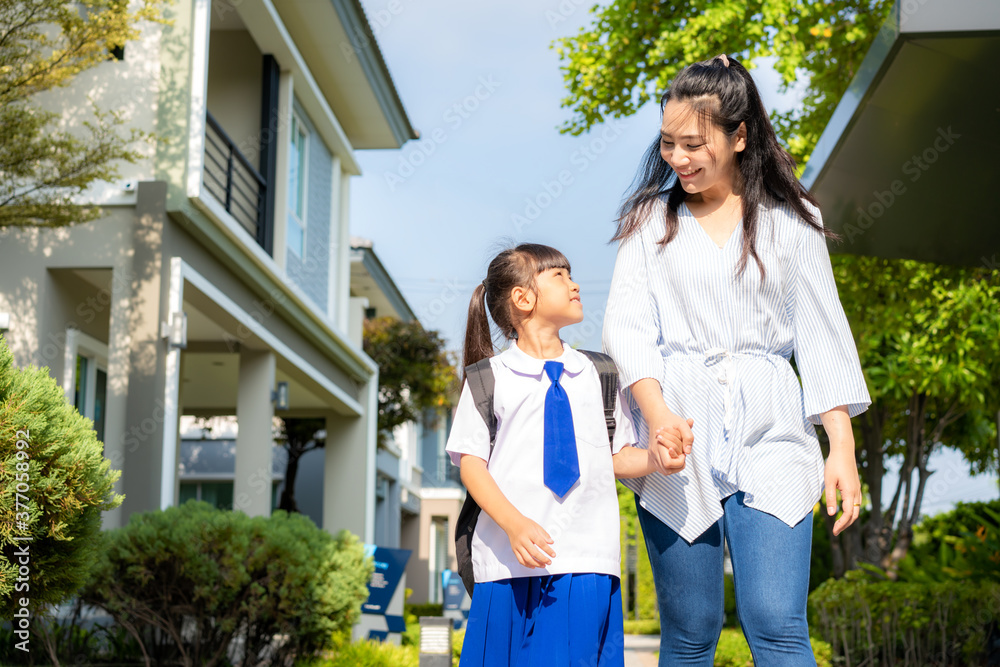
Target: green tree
633	48
415	373
929	341
298	436
44	44
54	484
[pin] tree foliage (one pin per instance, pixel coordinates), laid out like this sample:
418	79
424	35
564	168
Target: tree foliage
415	373
929	341
53	488
44	44
633	48
193	582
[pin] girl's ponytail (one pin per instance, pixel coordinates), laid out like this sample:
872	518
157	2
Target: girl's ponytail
514	267
478	340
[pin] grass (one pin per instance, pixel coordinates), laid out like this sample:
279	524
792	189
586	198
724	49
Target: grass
732	650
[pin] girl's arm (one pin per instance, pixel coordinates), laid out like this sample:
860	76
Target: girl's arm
528	540
841	468
637	462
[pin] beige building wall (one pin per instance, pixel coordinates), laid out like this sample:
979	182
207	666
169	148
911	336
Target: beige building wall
416	535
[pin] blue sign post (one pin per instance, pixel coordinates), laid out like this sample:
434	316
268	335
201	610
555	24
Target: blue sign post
456	601
382	614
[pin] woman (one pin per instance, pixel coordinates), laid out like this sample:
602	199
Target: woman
722	276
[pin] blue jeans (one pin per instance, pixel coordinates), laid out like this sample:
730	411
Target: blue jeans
771	574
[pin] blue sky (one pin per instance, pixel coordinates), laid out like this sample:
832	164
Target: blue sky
481	84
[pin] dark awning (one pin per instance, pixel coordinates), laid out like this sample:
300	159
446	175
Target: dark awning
909	164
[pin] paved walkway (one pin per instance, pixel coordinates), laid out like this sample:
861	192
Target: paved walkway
640	650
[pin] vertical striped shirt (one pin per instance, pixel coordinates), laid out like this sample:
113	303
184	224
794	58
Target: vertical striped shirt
719	345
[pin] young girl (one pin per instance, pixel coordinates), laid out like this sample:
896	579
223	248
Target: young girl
545	550
722	275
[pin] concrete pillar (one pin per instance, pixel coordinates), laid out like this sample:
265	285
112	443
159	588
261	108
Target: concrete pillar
254	412
349	476
116	407
141	443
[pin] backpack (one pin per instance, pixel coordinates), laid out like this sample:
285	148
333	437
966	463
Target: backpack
481	384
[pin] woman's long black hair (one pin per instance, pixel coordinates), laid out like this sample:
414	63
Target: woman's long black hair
721	92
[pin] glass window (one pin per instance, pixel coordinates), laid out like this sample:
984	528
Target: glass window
219	494
80	396
297	179
188	491
100	399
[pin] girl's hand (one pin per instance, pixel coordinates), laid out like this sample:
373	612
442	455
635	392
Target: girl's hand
676	426
530	542
663	457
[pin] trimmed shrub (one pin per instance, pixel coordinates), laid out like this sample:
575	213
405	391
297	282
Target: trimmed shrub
187	581
887	622
962	544
54	484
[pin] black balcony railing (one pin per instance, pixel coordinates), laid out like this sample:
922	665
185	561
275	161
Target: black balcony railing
235	183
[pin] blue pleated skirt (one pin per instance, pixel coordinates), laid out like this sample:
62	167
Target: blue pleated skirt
561	620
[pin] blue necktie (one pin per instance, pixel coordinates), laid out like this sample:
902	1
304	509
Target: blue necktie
562	467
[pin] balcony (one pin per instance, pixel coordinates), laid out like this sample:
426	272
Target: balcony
236	184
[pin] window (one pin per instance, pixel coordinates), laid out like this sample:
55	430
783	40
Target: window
88	377
297	180
438	557
217	493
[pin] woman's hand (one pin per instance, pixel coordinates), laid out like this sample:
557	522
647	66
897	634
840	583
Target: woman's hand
841	469
529	542
658	416
666	450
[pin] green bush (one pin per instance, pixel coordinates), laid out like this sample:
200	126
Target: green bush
54	484
643	626
188	580
963	544
733	650
425	609
885	621
372	654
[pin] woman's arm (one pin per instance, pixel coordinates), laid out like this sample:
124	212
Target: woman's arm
841	468
528	540
660	419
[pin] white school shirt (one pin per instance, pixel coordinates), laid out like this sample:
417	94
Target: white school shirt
720	347
583	524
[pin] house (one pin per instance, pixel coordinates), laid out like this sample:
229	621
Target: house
218	281
418	494
903	168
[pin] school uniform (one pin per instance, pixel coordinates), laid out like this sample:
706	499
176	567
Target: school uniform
570	609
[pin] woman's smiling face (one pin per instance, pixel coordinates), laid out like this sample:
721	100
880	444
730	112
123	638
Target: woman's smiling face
697	150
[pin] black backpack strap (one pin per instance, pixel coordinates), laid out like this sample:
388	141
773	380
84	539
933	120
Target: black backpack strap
608	371
481	382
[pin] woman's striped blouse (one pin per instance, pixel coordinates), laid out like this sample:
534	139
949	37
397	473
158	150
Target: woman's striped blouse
719	345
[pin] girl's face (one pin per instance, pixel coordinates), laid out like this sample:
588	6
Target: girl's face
555	299
704	158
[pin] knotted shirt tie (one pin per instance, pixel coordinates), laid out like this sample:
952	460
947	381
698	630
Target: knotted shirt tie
561	467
